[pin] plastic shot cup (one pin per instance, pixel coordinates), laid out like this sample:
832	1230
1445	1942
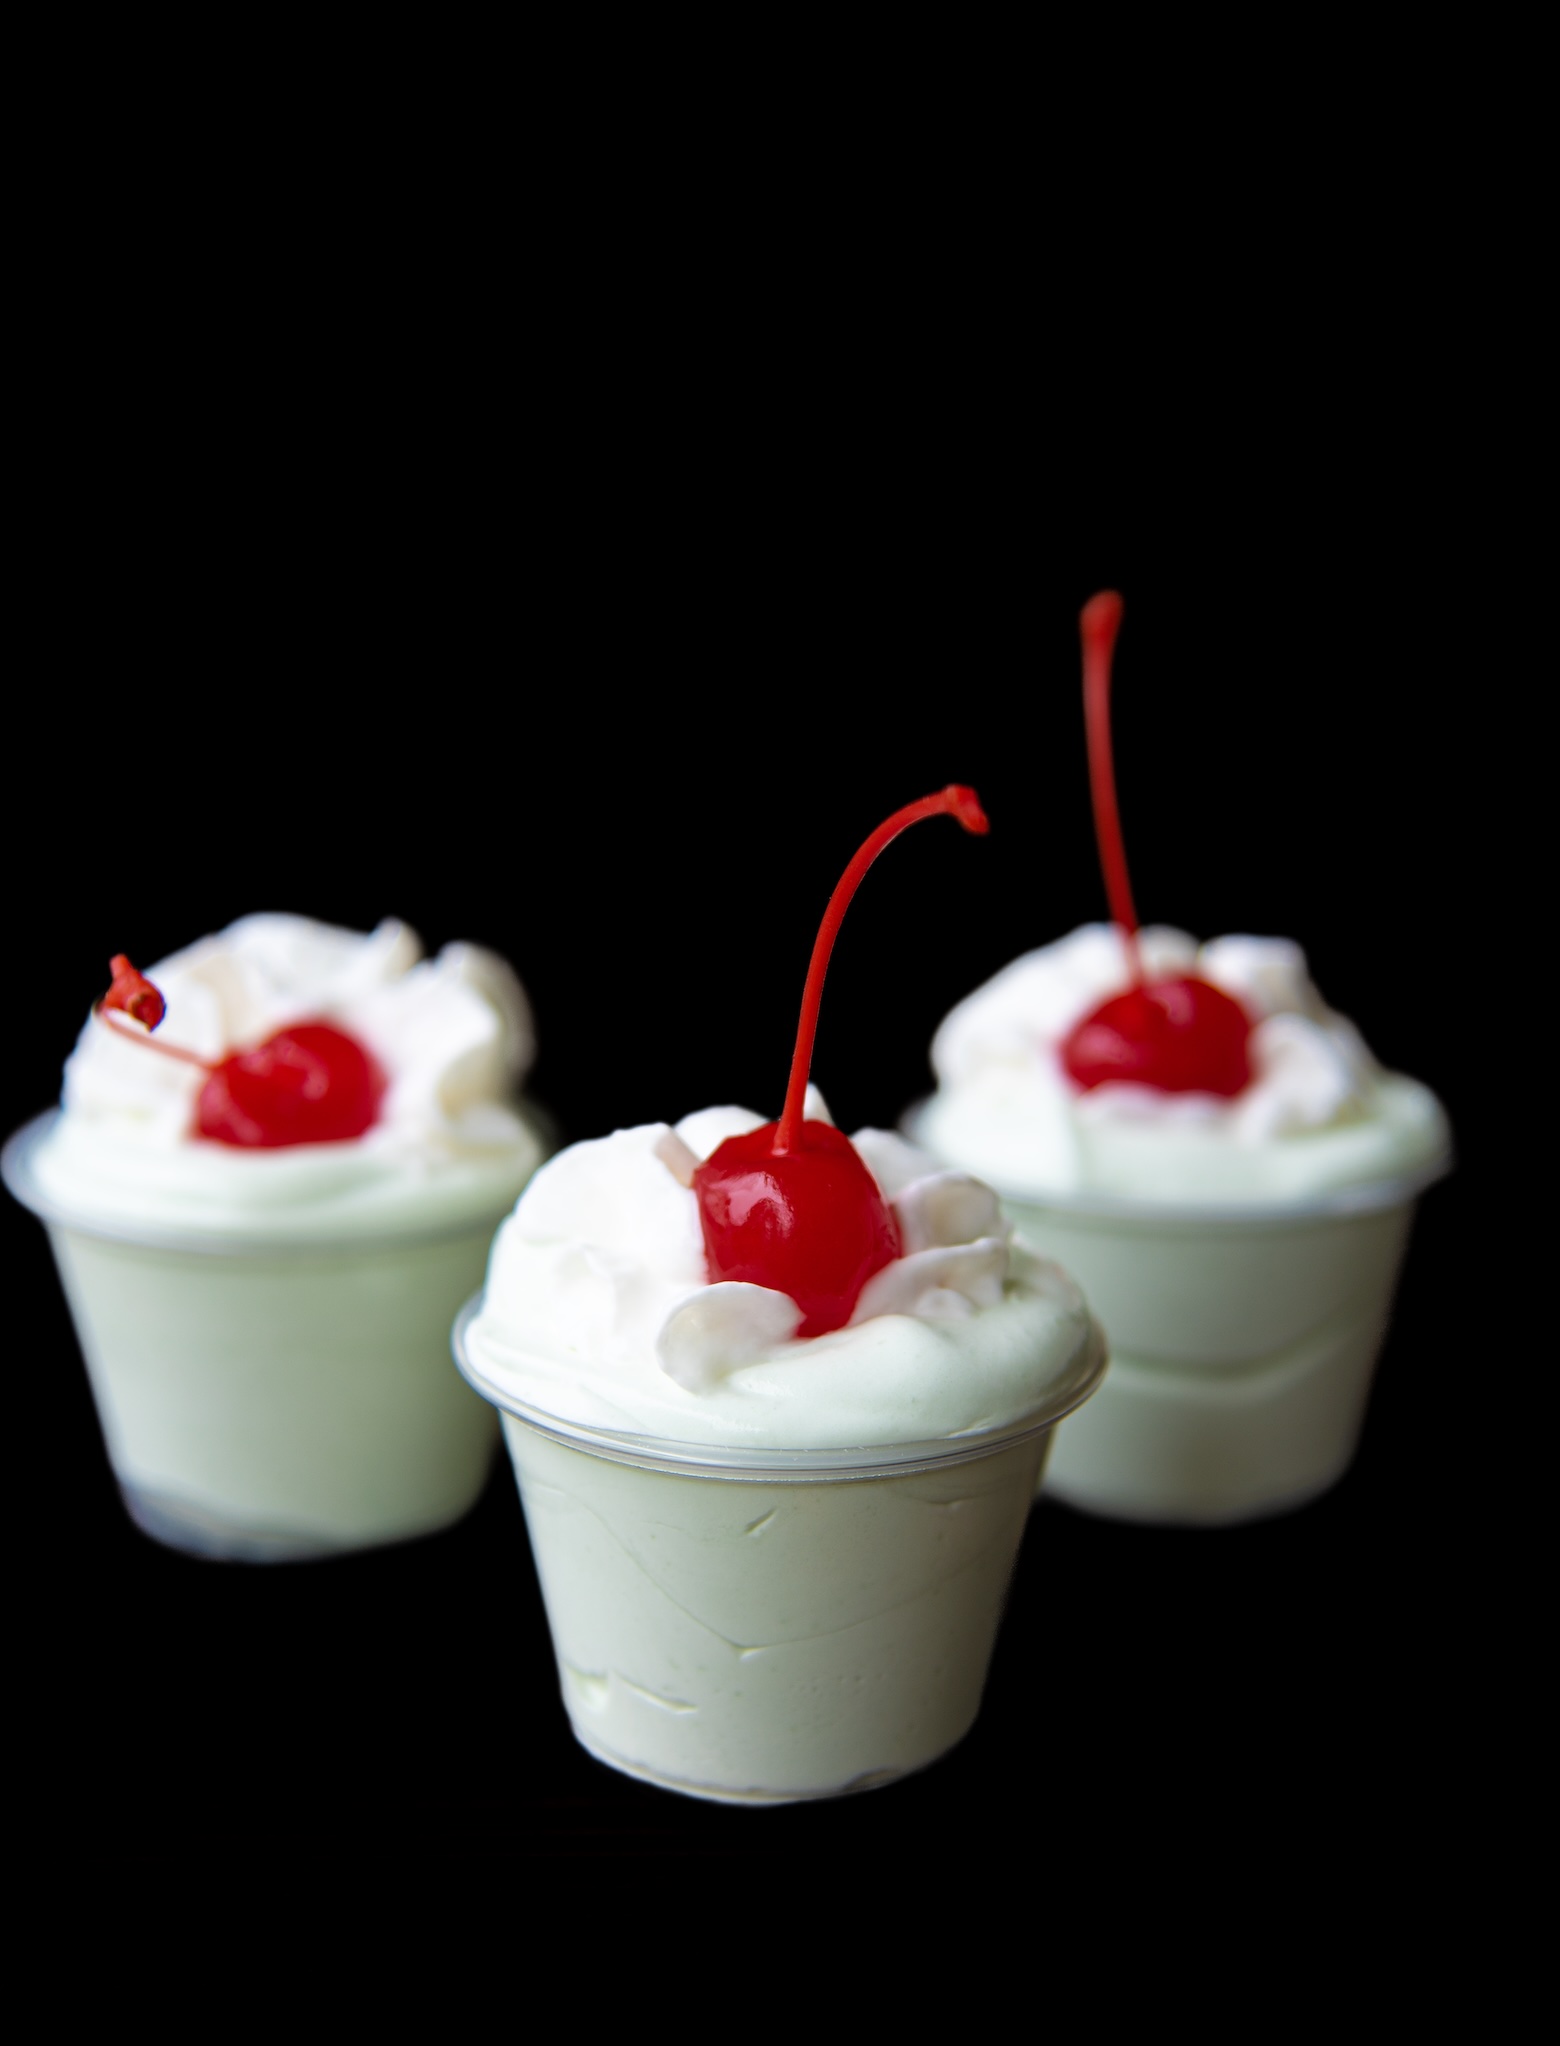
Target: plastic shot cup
1243	1343
266	1401
760	1626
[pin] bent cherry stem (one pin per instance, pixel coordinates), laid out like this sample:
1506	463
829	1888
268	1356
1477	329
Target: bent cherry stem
791	1205
310	1083
954	801
132	994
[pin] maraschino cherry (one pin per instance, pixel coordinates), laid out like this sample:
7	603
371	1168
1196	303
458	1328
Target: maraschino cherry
308	1084
1182	1035
791	1205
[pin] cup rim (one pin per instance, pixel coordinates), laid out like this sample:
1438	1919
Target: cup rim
743	1461
1368	1197
16	1169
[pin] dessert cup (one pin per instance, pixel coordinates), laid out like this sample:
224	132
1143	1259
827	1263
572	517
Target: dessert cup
1243	1341
266	1399
760	1625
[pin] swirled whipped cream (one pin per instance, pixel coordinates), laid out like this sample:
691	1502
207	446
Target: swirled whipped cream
599	1308
1319	1114
453	1036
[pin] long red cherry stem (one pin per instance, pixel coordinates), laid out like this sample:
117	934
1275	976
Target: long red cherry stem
953	801
132	994
1098	623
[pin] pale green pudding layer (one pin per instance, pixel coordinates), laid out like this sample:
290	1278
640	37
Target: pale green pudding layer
284	1403
1242	1351
760	1642
773	1566
1240	1253
267	1330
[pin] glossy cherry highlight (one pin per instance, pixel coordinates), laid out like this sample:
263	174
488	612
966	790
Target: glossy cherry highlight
1182	1035
809	1222
792	1205
310	1083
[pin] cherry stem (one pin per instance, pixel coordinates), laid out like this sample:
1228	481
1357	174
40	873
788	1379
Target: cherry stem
953	801
144	1037
133	995
1098	623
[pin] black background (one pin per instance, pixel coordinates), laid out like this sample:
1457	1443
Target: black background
611	666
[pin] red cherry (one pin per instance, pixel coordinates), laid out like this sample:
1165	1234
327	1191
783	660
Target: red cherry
1183	1036
809	1222
792	1205
308	1084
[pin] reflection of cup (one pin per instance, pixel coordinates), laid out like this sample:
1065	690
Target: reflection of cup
758	1626
1242	1340
267	1400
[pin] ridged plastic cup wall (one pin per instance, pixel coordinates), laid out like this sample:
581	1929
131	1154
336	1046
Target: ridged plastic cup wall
266	1401
761	1626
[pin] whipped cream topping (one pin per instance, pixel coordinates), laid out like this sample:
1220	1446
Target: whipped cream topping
1318	1116
453	1036
599	1308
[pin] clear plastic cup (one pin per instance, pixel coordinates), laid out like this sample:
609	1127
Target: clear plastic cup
760	1626
266	1401
1243	1343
